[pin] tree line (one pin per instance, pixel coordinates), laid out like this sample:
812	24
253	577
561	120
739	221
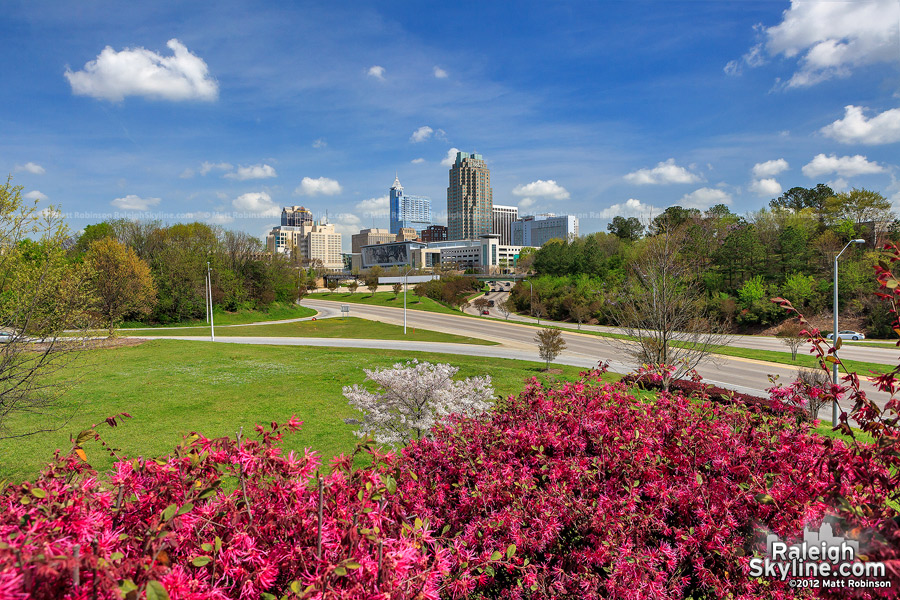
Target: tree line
738	261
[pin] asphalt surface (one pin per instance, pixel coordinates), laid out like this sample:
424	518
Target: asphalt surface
740	374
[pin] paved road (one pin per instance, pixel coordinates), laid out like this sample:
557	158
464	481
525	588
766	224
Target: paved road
741	374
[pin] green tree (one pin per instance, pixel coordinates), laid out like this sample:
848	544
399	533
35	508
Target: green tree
91	234
550	344
629	229
42	294
120	281
353	285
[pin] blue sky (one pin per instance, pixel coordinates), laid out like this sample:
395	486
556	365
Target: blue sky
225	111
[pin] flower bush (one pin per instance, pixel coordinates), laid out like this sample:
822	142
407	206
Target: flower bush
220	518
585	492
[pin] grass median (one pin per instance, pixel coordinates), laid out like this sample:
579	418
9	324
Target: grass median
388	299
276	312
345	327
173	387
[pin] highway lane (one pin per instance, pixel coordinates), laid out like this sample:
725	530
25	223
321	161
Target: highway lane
741	374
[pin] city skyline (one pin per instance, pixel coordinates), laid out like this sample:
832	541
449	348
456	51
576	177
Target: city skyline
595	110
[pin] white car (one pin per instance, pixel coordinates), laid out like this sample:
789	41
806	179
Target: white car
847	335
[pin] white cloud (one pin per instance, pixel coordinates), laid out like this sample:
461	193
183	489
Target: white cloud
664	172
839	185
544	189
829	39
770	168
141	72
440	73
450	158
855	128
252	172
417	161
186	174
630	208
766	188
421	134
135	203
377	72
704	198
30	167
219	218
346	223
845	166
320	143
35	195
320	186
377	207
539	190
258	204
206	167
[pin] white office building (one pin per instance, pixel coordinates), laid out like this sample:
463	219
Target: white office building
537	230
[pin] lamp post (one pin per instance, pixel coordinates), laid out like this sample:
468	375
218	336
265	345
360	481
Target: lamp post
405	280
212	326
531	302
835	417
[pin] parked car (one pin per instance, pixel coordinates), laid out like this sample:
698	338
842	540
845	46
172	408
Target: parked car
5	337
485	312
847	335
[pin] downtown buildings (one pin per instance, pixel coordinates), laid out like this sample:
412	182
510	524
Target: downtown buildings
413	212
469	198
306	240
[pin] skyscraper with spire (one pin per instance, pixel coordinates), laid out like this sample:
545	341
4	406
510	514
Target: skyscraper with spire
408	211
470	200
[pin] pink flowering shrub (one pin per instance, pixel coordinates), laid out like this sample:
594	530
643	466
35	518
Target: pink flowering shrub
220	518
585	492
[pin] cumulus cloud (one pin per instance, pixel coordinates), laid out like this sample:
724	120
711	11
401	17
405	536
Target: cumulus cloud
346	223
257	203
206	167
630	208
140	72
766	188
845	166
377	207
704	198
770	168
839	185
320	143
855	128
440	73
532	192
663	172
135	203
450	158
421	134
377	72
219	218
417	161
544	189
252	172
828	39
315	187
30	167
35	195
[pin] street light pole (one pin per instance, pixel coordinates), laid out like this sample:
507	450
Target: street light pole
835	417
405	281
212	326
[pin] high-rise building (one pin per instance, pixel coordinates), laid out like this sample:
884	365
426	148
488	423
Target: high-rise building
310	242
469	198
537	230
295	216
408	211
503	217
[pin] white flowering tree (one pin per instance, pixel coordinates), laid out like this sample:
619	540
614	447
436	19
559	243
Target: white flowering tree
412	397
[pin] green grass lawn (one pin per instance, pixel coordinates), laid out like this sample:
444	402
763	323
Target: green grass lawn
276	312
344	327
173	387
413	302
